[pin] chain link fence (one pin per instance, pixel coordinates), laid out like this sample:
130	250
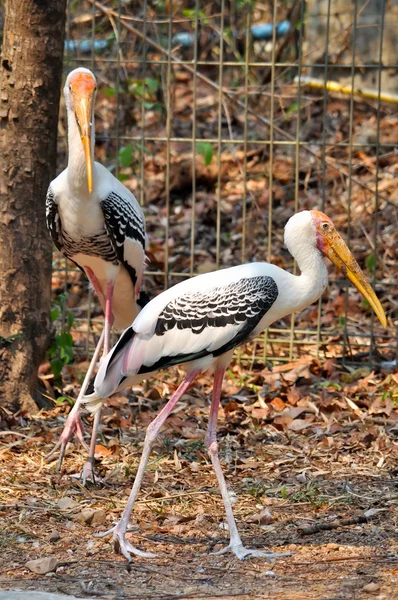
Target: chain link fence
224	119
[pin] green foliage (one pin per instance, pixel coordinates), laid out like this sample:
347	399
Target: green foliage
371	262
206	150
123	177
62	399
110	91
310	493
125	156
60	352
292	109
9	340
146	90
243	4
365	304
190	13
331	384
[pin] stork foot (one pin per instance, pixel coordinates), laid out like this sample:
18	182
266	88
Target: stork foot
87	475
241	552
122	545
72	426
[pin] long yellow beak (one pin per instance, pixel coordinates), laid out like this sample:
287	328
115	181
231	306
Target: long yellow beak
83	108
340	255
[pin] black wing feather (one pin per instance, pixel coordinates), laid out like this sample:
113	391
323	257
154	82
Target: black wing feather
54	225
52	219
121	222
244	302
241	303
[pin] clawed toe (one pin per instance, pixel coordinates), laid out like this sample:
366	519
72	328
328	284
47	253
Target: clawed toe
73	426
48	456
88	473
242	553
122	545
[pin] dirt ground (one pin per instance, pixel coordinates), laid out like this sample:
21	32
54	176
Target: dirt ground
292	489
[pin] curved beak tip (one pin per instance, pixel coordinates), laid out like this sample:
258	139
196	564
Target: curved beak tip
341	256
383	319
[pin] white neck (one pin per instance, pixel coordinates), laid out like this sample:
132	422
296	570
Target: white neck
77	171
313	279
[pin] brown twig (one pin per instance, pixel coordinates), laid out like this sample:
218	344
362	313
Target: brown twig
318	527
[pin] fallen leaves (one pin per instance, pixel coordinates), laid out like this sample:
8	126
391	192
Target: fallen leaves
298	449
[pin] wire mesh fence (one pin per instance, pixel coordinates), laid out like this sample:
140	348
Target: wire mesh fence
224	119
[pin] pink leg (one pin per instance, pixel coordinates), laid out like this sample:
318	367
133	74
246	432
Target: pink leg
235	544
73	423
108	318
88	469
96	285
106	304
119	531
88	473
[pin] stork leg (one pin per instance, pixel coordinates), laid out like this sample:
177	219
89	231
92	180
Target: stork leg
108	317
73	422
119	531
235	544
88	473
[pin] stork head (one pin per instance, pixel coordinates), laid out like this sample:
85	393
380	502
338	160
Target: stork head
330	242
314	229
80	89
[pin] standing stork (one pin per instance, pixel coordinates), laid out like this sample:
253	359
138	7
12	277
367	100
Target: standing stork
200	321
98	224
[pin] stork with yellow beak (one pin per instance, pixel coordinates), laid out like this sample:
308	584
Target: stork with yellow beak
98	224
199	323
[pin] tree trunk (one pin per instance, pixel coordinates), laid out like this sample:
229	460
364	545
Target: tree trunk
30	80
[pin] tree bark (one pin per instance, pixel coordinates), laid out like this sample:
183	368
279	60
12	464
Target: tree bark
30	81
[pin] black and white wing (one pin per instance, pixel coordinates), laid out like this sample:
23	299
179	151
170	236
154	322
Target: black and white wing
191	326
125	226
197	324
53	220
54	226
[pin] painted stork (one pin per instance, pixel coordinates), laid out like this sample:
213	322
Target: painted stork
98	224
200	321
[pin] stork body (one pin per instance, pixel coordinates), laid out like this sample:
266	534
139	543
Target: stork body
200	321
103	233
98	224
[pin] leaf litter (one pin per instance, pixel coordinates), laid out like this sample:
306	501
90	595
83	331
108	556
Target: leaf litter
309	447
310	474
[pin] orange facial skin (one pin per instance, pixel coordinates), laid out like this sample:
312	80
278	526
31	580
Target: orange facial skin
82	88
334	247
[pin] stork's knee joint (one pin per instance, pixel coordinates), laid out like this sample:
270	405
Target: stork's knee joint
213	448
151	434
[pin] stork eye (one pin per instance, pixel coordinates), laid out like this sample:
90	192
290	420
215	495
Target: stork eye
325	226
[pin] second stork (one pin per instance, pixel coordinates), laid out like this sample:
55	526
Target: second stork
98	224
